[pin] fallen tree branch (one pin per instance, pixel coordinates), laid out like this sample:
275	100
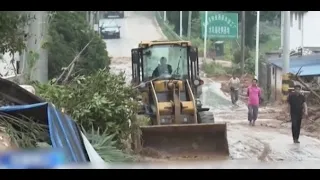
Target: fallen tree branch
305	85
71	65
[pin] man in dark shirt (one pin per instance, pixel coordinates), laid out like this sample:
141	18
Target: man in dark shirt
162	68
297	107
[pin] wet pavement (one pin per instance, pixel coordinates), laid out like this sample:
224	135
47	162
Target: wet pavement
248	145
137	26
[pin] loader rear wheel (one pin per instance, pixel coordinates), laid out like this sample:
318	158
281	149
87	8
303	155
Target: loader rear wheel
205	117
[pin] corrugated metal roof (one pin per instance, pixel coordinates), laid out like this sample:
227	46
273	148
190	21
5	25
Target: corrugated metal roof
310	64
311	70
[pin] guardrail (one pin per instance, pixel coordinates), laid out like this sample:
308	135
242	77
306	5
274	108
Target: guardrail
166	29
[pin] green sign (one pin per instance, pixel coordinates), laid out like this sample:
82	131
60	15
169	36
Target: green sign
220	25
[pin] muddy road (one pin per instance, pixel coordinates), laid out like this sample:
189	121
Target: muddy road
267	141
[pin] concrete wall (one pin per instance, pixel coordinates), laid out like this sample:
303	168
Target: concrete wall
304	29
276	83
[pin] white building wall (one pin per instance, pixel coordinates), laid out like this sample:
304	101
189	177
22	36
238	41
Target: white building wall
304	29
296	30
311	29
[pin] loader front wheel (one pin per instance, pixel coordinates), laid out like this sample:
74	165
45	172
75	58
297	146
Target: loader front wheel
205	117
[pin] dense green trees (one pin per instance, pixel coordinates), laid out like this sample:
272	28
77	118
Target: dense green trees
69	33
12	34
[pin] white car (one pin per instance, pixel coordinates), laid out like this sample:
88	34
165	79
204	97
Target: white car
109	29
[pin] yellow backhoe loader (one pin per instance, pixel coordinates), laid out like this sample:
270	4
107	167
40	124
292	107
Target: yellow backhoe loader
167	75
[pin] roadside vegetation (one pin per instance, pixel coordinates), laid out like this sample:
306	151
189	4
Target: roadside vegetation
269	39
99	101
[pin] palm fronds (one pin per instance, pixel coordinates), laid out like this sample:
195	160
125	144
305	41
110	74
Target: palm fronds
23	131
104	144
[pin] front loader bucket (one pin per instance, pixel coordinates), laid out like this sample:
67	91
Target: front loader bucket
186	141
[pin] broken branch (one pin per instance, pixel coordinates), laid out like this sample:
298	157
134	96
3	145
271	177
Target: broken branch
305	85
71	65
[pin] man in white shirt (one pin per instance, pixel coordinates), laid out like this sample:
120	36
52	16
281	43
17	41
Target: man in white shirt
234	84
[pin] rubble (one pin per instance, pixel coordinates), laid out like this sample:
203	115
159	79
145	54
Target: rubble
309	124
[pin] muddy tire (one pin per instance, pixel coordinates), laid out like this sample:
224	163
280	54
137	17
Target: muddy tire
205	117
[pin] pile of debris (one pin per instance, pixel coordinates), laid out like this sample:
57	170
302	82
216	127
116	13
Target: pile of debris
310	124
6	142
18	131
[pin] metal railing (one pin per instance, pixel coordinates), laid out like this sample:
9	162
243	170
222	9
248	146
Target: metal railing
166	29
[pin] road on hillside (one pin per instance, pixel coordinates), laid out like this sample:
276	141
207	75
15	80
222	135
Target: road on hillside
135	27
245	142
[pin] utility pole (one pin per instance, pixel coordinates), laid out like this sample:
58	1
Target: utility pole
30	47
286	42
243	34
88	16
98	17
91	19
180	23
38	33
286	55
189	24
165	16
257	45
43	52
205	35
282	26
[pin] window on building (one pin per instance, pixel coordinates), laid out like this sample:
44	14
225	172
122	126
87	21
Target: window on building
300	20
273	71
291	19
295	16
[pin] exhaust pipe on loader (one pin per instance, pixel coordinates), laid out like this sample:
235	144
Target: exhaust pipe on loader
187	140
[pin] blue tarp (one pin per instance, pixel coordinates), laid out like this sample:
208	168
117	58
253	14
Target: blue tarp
64	132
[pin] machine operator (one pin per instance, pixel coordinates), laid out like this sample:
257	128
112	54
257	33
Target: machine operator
162	68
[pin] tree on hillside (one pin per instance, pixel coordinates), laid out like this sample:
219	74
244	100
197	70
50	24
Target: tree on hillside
69	32
12	34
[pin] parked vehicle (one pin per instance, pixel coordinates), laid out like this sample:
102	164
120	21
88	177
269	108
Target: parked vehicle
109	29
119	14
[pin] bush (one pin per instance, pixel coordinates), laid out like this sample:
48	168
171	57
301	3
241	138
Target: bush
104	144
215	69
237	56
12	34
99	101
69	32
249	61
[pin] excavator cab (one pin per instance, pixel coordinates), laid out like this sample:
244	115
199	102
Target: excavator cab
179	125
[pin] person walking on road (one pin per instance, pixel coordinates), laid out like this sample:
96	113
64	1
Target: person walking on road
234	84
254	94
297	107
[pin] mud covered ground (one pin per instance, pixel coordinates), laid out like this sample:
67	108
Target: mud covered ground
269	140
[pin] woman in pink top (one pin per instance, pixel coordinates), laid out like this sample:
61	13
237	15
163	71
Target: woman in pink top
254	94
